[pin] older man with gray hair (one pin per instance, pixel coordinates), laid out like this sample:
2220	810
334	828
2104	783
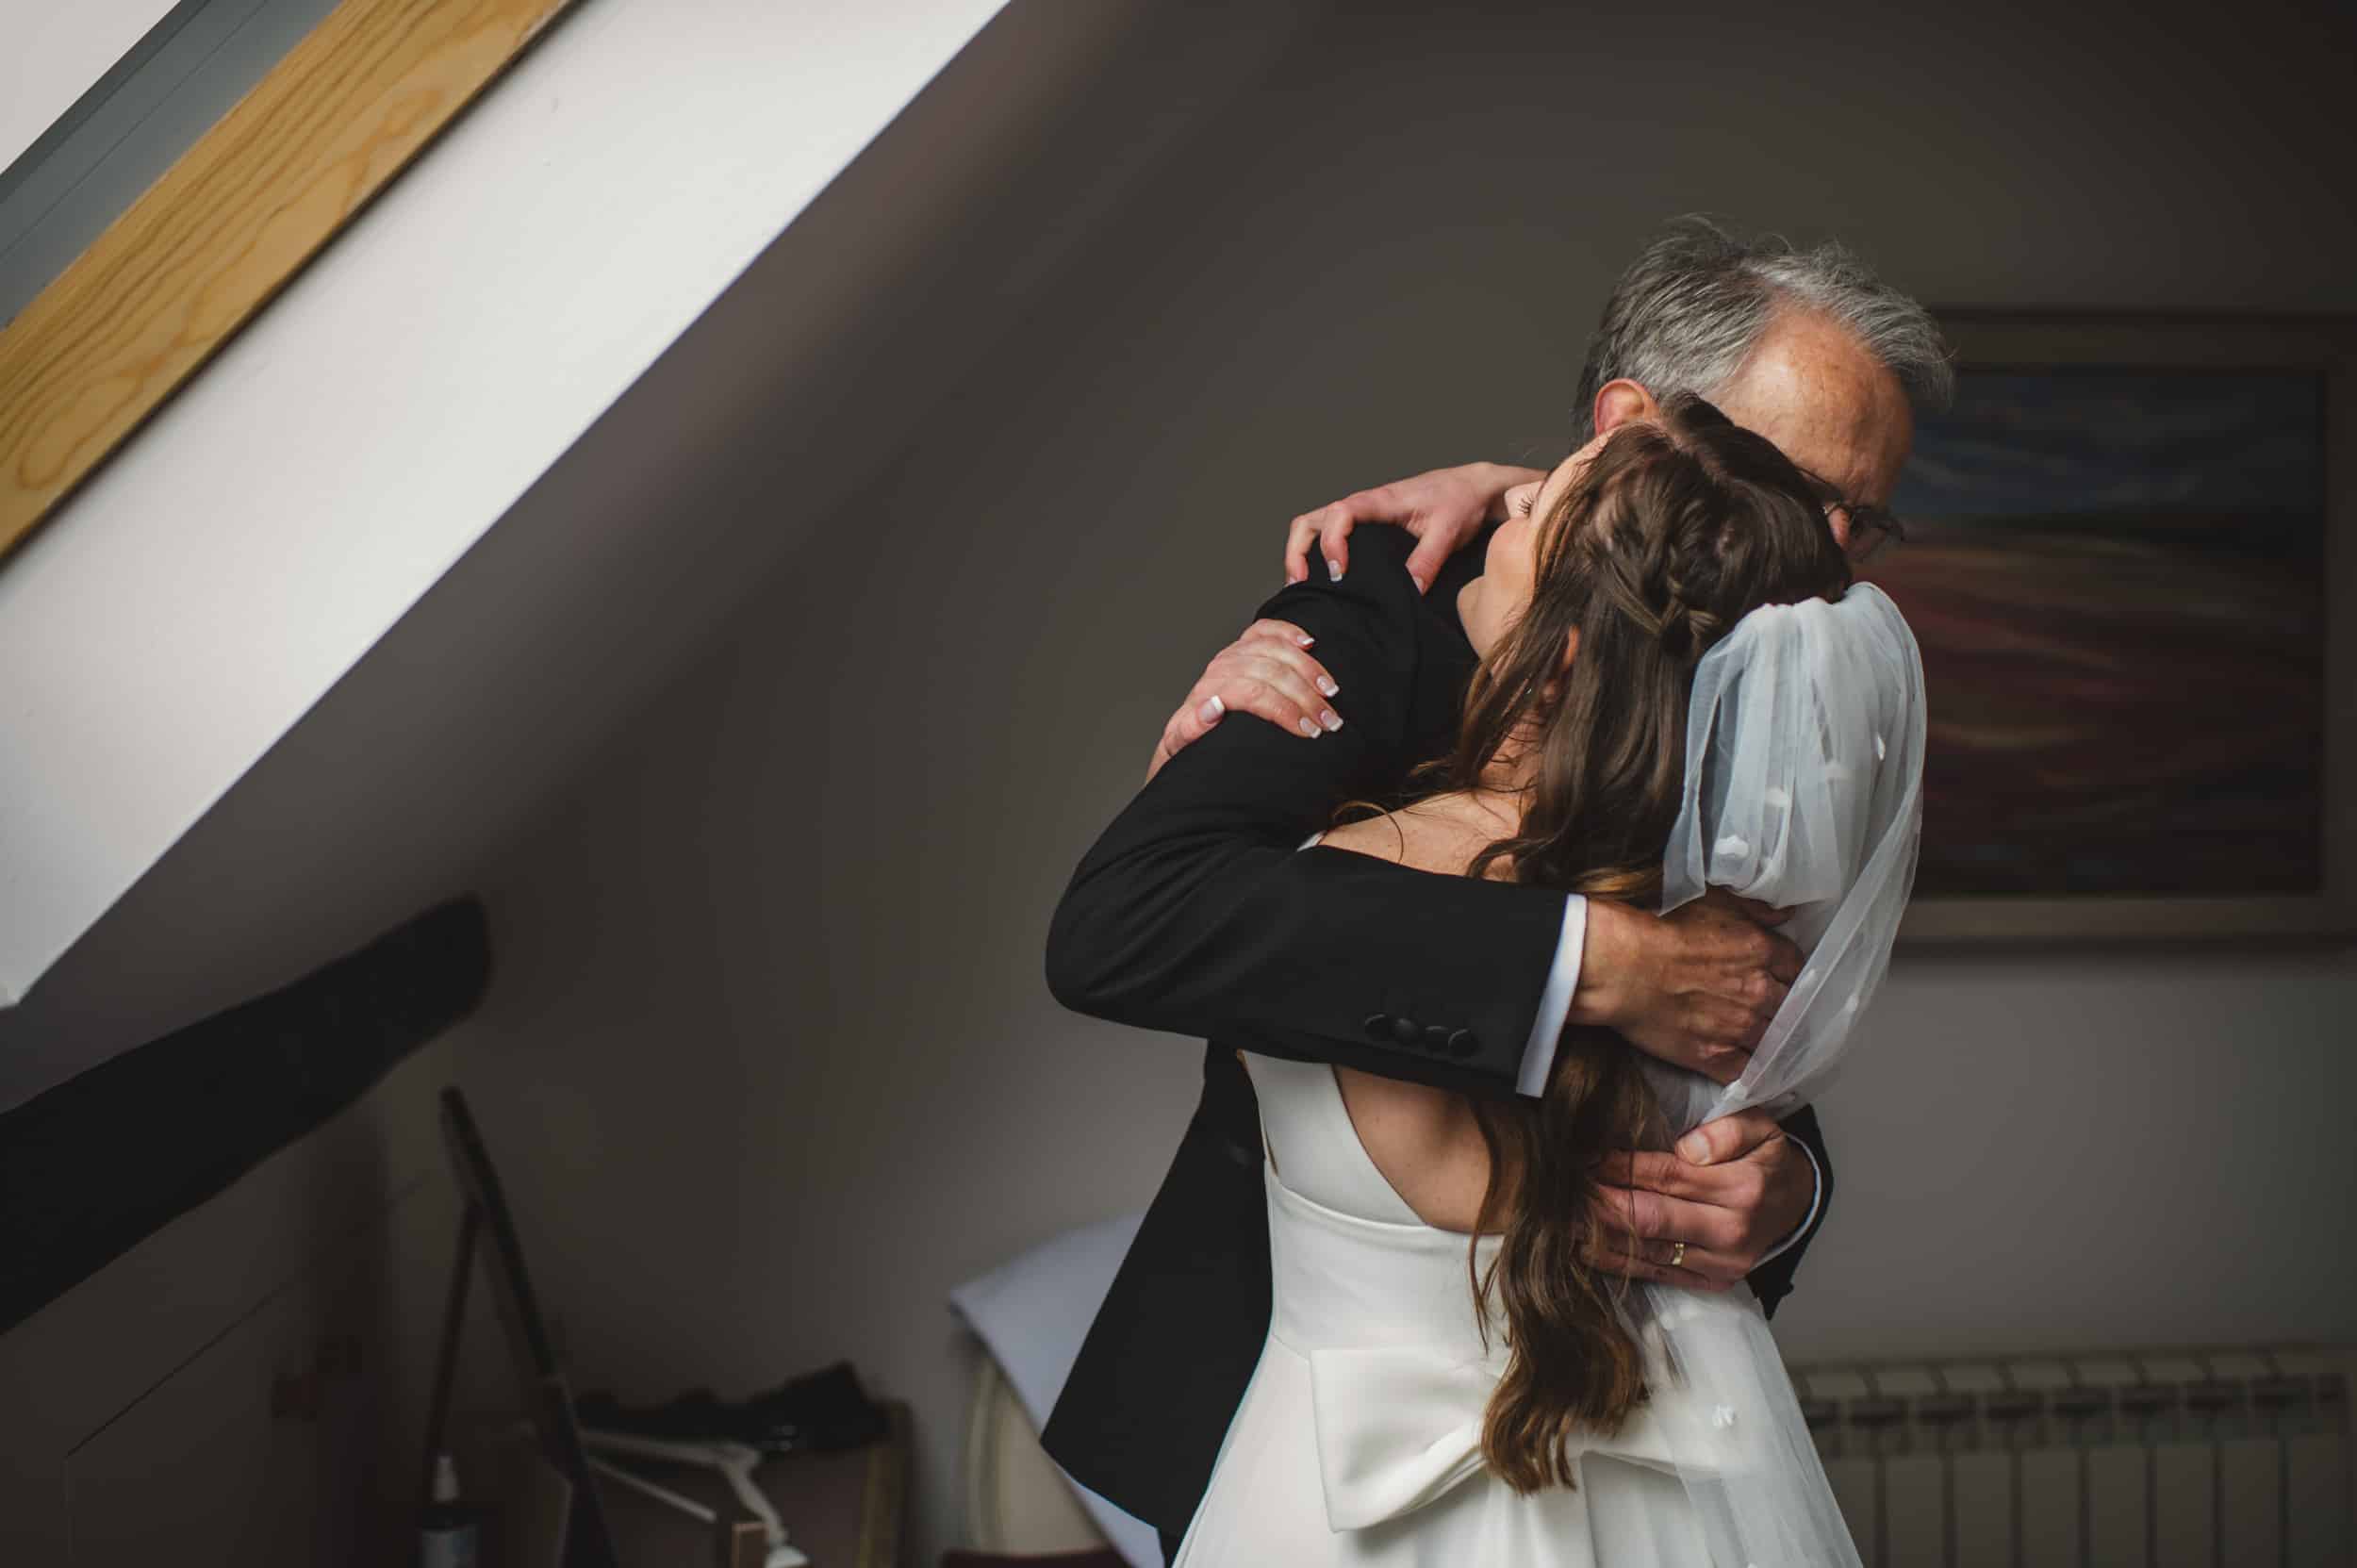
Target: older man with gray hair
1194	913
1807	347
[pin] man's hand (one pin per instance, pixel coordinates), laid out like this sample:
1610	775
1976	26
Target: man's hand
1443	509
1733	1188
1266	673
1695	988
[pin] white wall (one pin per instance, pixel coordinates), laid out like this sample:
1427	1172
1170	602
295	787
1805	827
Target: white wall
770	987
174	618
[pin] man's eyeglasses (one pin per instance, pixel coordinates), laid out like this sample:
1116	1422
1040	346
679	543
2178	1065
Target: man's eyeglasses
1867	527
1871	528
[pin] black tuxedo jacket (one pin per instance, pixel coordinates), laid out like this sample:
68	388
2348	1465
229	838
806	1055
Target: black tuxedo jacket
1196	914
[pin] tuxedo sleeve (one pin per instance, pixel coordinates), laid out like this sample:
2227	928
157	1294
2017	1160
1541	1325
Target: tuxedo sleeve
1771	1282
1198	913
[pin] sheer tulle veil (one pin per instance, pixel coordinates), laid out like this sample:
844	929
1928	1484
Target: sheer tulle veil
1805	790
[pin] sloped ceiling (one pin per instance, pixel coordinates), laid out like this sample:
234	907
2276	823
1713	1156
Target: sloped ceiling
795	389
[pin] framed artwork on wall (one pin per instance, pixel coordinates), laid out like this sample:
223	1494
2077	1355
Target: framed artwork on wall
2131	560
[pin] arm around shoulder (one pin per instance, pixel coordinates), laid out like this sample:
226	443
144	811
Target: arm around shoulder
1194	913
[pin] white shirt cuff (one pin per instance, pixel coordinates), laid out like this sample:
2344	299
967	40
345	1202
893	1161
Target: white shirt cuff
1555	1002
1816	1200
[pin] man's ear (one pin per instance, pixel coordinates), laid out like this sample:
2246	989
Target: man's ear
1619	402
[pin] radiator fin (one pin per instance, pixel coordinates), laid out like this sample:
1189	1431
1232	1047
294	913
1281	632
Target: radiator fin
2235	1457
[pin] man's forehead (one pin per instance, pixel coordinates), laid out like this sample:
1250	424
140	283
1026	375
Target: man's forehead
1860	461
1813	389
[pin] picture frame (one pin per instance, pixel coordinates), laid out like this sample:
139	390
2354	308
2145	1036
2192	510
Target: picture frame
2194	777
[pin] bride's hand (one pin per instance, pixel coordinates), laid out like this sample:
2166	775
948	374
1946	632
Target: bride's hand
1752	1191
1266	673
1444	509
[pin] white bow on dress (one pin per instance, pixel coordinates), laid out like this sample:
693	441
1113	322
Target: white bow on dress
1399	1426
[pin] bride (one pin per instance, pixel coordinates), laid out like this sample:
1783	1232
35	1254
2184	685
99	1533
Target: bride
1678	689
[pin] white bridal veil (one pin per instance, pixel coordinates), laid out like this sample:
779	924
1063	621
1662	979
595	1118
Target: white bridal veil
1805	790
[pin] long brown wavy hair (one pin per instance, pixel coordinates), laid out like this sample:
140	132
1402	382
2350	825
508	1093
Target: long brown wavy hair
1676	530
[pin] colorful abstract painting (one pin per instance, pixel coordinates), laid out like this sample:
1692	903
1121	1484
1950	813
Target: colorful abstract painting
2119	580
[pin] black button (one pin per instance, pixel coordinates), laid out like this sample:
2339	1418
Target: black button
1406	1031
1378	1025
1462	1043
1436	1039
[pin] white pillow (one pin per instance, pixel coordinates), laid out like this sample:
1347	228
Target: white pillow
1032	1313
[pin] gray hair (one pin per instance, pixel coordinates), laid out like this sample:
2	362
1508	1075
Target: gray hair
1687	312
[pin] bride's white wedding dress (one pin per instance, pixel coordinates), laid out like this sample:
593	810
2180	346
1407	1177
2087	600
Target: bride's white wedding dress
1359	1440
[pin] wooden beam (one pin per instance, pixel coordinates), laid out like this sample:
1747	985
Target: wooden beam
227	225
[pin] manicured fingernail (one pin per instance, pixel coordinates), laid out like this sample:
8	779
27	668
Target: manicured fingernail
1304	638
1333	570
1332	719
1311	730
1210	710
1326	687
1417	578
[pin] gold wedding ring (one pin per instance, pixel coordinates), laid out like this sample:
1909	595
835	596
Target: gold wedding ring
1677	1254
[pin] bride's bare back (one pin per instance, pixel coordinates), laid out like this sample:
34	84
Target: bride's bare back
1424	1139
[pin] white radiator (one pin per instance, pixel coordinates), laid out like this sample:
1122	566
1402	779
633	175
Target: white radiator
2204	1459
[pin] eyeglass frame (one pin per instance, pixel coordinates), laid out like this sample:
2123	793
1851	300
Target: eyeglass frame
1877	525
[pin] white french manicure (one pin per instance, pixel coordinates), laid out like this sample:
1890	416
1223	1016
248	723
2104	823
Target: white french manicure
1326	687
1210	710
1333	570
1332	719
1311	730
